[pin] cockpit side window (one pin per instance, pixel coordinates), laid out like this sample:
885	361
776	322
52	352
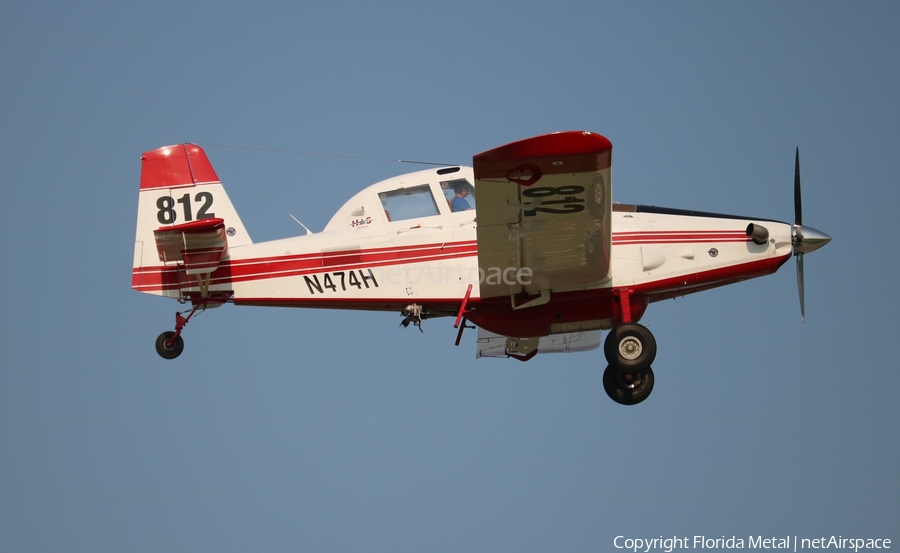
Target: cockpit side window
459	193
408	203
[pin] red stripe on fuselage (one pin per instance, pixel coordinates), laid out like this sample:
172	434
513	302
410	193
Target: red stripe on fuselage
245	270
679	236
164	277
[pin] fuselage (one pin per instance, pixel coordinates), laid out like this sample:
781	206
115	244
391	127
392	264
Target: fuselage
399	243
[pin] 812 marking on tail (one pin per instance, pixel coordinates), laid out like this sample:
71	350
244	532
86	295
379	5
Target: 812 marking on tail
167	213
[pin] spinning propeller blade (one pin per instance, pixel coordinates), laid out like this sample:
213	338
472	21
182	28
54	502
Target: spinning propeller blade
805	239
800	287
798	203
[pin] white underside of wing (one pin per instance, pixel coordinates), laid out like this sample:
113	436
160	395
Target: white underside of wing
496	345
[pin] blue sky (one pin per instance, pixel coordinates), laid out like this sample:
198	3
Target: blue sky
292	430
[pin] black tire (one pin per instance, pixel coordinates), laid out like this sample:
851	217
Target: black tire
628	389
631	348
162	345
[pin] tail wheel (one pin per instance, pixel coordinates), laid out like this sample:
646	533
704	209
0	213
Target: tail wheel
166	347
625	388
630	347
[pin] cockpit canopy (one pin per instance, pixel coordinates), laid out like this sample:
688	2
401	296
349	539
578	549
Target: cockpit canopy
440	193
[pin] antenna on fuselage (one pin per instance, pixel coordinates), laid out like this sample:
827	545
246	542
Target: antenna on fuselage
302	225
319	154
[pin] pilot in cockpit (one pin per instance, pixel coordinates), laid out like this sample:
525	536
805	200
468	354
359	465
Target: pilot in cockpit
459	202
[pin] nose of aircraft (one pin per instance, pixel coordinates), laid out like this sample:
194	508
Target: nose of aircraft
805	240
808	239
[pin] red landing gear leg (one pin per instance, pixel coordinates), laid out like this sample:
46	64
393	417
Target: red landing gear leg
461	317
625	305
169	345
630	348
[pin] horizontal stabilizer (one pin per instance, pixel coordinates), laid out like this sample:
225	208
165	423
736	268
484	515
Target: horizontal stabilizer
199	245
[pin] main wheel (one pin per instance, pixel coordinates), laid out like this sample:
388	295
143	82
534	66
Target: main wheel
627	389
167	351
630	347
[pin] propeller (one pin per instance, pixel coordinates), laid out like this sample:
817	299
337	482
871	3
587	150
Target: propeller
804	239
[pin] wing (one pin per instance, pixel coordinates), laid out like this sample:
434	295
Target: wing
496	345
544	207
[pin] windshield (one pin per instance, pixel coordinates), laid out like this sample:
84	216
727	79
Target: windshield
408	203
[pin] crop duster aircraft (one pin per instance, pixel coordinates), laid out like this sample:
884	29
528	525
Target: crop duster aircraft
546	262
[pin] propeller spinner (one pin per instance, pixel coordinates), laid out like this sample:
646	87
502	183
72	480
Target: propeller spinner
804	239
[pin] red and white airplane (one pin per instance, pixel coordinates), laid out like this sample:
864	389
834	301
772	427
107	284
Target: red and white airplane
548	263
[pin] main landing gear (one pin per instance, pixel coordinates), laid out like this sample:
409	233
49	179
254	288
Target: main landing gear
630	349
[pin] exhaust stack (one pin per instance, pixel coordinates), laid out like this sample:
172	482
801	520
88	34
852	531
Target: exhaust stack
758	233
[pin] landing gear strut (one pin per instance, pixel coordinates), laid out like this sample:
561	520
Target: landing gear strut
630	349
169	345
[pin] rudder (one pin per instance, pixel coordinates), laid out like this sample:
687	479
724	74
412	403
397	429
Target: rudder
178	185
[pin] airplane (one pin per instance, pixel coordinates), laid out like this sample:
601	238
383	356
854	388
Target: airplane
545	264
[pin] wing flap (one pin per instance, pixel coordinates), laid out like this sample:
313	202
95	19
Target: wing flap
200	245
544	203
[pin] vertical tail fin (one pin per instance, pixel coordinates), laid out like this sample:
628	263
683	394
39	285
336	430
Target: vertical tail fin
178	185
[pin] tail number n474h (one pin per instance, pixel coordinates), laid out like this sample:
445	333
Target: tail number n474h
345	278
